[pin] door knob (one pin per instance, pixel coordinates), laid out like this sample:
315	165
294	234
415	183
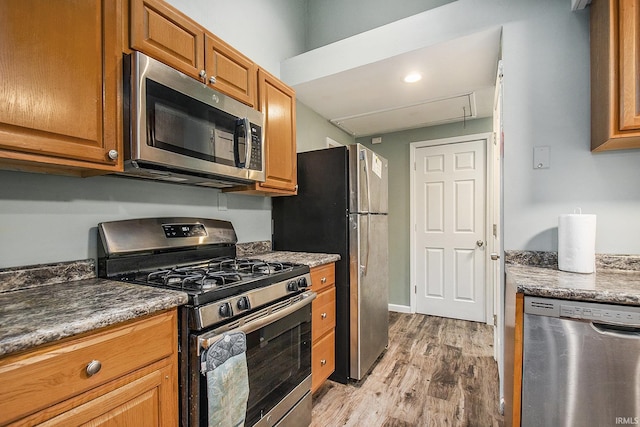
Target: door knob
480	243
495	256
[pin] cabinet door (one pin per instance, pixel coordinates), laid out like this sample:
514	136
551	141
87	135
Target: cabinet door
629	62
278	103
61	72
164	33
229	71
140	402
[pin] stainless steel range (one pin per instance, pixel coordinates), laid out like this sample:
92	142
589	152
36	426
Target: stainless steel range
264	305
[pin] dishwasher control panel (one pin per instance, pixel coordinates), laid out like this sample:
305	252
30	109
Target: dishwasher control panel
593	312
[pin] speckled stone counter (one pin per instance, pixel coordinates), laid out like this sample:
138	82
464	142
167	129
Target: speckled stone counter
39	309
307	258
614	286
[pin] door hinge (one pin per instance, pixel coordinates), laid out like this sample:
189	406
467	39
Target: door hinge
415	289
414	166
495	320
495	230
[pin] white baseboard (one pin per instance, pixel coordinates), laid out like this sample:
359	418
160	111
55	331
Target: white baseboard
400	308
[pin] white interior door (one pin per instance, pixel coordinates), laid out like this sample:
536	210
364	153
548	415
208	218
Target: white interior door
449	199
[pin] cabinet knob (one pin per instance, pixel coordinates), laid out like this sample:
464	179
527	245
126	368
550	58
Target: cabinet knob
323	362
203	74
212	80
323	280
323	315
93	367
113	154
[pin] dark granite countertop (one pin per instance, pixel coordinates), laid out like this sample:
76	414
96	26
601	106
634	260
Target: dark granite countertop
307	258
42	311
605	285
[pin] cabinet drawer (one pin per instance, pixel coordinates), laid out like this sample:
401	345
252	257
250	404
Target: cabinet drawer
323	276
323	360
35	380
323	310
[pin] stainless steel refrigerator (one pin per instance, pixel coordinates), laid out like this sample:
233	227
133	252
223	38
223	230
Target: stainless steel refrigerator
341	207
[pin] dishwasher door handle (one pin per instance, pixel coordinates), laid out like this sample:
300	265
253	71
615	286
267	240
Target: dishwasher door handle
620	331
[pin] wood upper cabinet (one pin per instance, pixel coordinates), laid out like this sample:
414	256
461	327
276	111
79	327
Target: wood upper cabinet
136	383
615	74
323	323
278	103
162	32
166	34
229	71
61	74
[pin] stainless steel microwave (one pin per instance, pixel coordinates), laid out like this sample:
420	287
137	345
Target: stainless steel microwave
178	129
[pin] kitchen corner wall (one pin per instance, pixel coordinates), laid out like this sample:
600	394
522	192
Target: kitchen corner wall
395	148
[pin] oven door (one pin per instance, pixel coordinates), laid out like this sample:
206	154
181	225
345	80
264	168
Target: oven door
278	363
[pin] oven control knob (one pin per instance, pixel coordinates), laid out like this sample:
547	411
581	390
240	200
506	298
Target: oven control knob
225	310
302	282
243	303
292	286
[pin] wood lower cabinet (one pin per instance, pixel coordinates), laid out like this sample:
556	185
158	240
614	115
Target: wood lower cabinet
136	383
60	102
166	34
323	313
513	353
615	74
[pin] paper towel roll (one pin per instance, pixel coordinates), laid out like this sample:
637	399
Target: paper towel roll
577	243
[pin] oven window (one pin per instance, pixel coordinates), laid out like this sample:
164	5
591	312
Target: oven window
278	360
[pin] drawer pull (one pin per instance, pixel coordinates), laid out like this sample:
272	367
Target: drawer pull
93	367
323	315
323	362
323	280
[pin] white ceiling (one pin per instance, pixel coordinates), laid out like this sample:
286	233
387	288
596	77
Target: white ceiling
373	99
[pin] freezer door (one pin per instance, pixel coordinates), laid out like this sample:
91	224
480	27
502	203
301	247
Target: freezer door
368	175
369	295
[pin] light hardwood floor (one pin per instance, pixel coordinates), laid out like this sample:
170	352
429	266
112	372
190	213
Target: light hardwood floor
436	372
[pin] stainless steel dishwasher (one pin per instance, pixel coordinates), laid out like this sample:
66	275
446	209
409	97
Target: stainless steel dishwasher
581	364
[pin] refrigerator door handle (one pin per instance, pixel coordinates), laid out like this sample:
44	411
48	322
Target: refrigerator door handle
363	154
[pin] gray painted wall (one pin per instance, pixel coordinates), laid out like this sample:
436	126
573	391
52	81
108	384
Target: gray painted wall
313	129
48	218
333	20
395	148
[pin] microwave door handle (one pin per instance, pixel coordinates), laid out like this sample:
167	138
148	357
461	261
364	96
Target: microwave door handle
248	141
151	127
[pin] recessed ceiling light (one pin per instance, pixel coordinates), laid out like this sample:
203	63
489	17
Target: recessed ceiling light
412	77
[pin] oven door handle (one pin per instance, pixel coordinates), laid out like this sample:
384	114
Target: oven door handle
205	342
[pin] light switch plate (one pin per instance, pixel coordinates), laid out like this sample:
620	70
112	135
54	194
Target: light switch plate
542	157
